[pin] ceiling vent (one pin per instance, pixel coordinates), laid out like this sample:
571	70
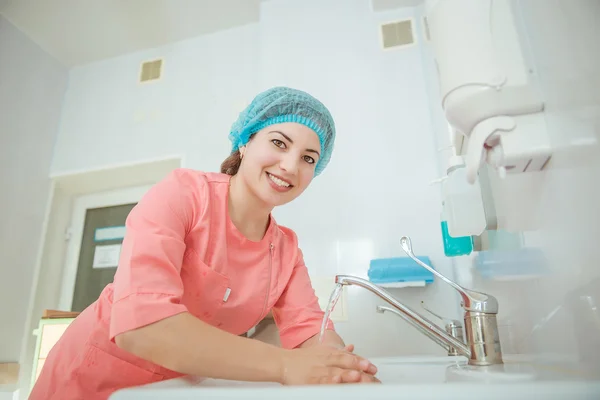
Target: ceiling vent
151	70
397	34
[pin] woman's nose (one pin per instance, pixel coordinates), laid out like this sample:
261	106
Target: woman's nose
289	163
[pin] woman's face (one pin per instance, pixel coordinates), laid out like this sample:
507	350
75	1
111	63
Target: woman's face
279	162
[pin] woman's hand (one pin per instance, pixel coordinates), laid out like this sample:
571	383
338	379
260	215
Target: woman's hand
349	348
325	365
364	379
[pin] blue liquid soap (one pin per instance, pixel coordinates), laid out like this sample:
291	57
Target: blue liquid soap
459	246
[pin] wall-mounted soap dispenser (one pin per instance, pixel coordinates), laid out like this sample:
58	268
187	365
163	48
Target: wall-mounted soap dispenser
455	246
463	203
463	214
486	87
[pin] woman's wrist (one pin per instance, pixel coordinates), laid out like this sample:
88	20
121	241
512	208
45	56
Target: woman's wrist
277	365
331	338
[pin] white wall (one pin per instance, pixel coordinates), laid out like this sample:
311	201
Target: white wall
109	118
376	187
32	86
556	211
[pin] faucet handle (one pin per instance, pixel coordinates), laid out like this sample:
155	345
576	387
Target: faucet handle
453	327
446	321
471	299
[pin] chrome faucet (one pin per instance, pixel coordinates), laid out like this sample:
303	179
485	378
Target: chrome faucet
481	327
452	326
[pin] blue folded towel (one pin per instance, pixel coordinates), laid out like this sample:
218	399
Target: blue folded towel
399	269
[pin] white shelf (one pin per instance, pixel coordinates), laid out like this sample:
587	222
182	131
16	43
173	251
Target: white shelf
512	278
396	285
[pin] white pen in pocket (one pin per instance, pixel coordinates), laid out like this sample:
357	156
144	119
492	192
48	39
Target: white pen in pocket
227	293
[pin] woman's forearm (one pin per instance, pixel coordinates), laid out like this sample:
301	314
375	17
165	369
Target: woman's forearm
190	346
330	338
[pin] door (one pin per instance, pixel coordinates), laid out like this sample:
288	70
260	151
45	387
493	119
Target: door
95	237
103	233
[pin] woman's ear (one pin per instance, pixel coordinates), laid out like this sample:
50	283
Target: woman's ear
242	151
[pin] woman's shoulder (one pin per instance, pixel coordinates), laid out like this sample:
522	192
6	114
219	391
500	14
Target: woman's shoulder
192	188
286	236
194	177
191	192
196	181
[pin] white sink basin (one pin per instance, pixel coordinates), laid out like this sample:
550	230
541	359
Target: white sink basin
391	370
415	377
415	370
438	370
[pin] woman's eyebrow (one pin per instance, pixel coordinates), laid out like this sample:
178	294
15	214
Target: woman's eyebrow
291	141
284	135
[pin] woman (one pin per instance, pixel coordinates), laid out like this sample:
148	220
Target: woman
202	262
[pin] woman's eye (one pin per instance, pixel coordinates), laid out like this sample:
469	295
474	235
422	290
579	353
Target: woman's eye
278	143
309	159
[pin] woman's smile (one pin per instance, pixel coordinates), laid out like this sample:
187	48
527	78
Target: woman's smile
278	183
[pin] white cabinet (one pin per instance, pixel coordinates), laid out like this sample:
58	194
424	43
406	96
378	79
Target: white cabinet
48	333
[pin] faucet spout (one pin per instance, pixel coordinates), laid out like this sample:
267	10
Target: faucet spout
445	345
423	324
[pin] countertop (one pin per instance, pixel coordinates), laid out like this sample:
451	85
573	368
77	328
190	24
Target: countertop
404	377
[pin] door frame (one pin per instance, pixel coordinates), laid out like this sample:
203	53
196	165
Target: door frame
75	232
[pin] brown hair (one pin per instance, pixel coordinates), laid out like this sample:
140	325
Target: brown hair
231	164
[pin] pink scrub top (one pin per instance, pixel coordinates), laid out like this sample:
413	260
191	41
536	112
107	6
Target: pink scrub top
181	253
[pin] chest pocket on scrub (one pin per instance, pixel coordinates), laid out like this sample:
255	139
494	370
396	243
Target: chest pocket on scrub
204	290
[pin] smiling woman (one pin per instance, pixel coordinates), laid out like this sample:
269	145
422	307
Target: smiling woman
203	261
278	163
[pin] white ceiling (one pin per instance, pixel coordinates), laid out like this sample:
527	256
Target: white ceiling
384	5
81	31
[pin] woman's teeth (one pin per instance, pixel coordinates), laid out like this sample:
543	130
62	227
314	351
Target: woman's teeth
278	181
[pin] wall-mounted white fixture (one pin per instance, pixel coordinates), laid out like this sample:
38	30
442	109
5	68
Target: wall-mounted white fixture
486	86
463	208
463	204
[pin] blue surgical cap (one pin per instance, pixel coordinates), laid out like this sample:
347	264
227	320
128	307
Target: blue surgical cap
281	104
